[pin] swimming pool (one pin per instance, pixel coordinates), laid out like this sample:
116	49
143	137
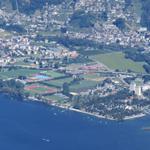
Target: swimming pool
41	77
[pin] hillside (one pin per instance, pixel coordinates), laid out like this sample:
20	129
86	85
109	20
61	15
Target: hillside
82	25
30	6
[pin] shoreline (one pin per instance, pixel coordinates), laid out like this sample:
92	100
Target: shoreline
82	111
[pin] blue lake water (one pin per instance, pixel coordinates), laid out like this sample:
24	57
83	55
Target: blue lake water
34	126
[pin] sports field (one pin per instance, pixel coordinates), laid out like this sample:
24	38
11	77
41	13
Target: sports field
14	73
40	89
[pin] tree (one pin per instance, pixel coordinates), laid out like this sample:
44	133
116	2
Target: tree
147	93
40	65
22	77
120	23
147	68
66	90
104	16
82	19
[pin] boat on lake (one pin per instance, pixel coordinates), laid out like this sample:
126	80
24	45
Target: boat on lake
146	128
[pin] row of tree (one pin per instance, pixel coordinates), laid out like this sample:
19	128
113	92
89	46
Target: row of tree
13	88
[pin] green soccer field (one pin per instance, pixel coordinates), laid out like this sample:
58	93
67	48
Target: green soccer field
17	72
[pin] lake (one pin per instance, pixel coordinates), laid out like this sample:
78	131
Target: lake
35	126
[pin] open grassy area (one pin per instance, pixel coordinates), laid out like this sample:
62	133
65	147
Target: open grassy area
56	98
83	85
116	60
93	77
53	74
17	72
137	7
5	73
74	66
79	86
4	34
21	62
59	82
40	89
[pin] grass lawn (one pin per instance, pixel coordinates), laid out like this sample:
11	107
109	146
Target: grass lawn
41	89
56	98
116	60
74	66
4	34
59	82
137	7
84	84
53	74
17	72
22	63
93	77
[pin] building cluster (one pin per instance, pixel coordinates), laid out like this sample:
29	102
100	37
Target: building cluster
53	17
15	47
138	87
107	32
104	89
91	6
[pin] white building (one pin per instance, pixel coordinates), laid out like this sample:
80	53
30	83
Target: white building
138	90
146	87
136	87
132	86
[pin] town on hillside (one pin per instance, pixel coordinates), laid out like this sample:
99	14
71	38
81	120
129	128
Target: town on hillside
65	57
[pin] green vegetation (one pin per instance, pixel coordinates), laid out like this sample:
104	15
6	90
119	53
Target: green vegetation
93	77
137	7
14	73
145	21
4	34
74	86
120	23
116	60
138	56
82	85
53	74
39	89
59	82
82	19
23	63
66	89
59	99
12	88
